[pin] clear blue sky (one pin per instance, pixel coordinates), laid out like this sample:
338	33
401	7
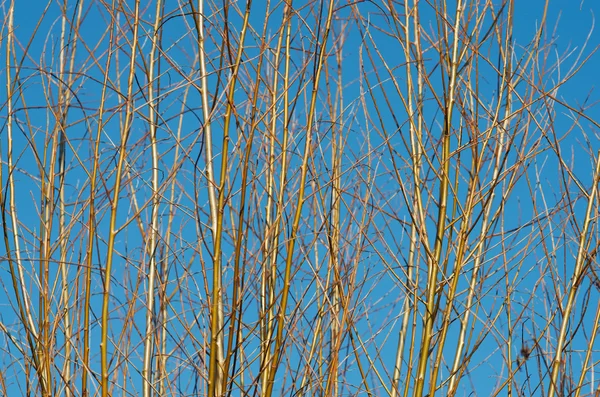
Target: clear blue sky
572	23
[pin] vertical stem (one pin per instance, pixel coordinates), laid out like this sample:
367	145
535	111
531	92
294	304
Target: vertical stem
443	175
153	243
16	265
129	111
215	380
273	226
66	97
300	201
416	146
